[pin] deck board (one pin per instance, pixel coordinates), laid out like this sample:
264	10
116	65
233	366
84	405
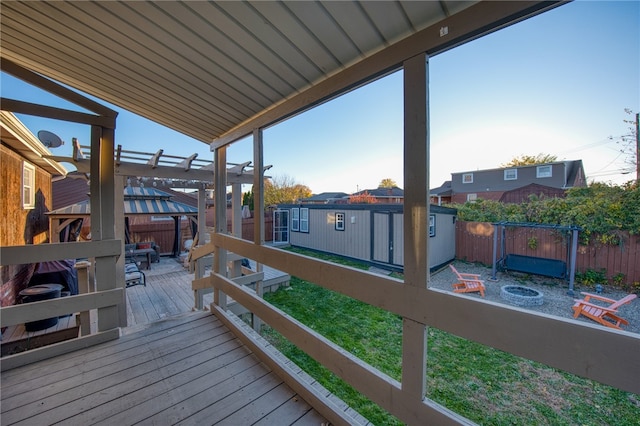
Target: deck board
189	369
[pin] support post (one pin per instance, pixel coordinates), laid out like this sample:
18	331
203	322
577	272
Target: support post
572	260
416	218
495	252
219	254
258	211
103	228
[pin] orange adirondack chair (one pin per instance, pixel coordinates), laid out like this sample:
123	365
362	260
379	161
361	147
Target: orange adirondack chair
467	283
605	315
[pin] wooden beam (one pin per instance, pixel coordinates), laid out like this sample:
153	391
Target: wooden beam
77	150
21	107
153	161
57	89
482	18
34	311
186	163
33	253
13	361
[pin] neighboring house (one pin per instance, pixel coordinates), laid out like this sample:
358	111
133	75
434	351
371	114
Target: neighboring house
369	232
392	195
516	184
327	198
25	197
441	195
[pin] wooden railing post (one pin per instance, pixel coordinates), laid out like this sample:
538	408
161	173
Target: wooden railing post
84	287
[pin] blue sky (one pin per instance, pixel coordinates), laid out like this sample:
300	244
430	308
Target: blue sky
555	84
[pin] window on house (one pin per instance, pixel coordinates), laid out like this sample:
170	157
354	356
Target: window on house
472	197
295	220
511	174
432	225
467	178
543	171
339	221
304	220
28	186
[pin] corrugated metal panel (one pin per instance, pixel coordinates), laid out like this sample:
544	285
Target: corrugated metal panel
202	68
134	206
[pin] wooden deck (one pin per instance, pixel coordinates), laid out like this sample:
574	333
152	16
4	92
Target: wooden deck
189	369
168	292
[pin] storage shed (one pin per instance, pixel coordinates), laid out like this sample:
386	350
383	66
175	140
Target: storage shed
368	232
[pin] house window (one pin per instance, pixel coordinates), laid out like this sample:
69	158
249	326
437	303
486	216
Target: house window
467	178
432	225
511	174
304	220
472	197
339	221
295	220
28	186
543	171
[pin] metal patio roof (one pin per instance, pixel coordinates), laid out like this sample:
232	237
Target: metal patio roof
219	69
136	201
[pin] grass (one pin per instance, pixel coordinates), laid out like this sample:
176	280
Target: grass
486	385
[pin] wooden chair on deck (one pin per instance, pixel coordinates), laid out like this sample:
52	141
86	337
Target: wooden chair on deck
467	283
605	315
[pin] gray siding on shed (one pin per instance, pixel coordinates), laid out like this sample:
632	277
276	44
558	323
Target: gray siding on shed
353	242
369	232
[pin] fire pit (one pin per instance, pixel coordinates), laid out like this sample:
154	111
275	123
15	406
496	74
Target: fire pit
521	296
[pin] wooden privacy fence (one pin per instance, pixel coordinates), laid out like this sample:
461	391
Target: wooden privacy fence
474	243
162	232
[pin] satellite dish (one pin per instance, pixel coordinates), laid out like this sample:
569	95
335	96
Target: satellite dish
50	140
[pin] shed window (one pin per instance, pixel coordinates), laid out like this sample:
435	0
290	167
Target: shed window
467	178
304	220
511	174
543	171
295	220
432	225
339	221
28	186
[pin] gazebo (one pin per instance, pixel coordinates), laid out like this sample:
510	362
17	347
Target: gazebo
137	201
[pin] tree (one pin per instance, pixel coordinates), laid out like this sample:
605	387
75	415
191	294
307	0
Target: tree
247	199
629	144
528	160
387	183
362	198
283	189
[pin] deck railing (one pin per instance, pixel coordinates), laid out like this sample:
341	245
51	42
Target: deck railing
107	298
582	349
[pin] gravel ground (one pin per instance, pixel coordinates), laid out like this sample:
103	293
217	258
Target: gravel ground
556	300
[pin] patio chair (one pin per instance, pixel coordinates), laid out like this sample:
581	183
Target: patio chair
133	275
605	315
467	283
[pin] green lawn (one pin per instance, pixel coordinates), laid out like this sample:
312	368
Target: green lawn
486	385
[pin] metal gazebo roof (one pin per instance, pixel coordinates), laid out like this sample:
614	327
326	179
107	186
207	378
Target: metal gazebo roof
136	201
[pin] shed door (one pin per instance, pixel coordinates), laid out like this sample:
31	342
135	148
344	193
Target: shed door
386	244
382	241
281	226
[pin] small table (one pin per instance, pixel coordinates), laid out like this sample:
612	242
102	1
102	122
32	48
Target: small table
148	252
